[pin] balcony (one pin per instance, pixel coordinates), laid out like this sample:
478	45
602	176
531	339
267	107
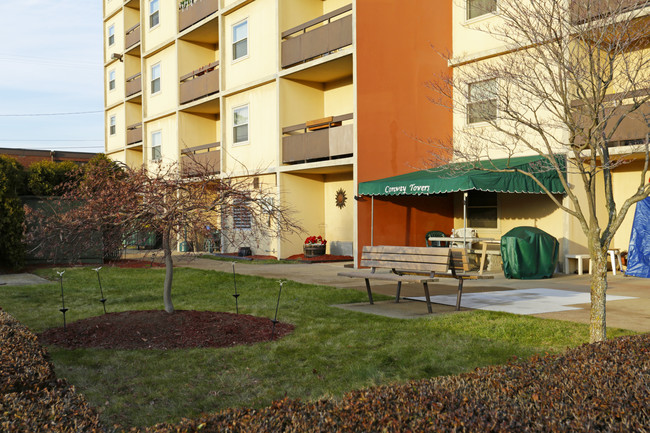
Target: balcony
200	83
195	161
633	127
580	12
133	84
300	44
134	134
320	139
194	11
132	36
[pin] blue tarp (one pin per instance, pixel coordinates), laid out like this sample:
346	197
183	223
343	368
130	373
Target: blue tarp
638	256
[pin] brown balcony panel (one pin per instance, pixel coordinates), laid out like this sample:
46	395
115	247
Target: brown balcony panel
134	134
132	36
200	86
196	12
632	127
194	163
581	11
317	42
318	144
340	141
133	85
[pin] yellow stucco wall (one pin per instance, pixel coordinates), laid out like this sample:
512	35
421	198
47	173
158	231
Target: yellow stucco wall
118	47
313	198
153	37
300	101
296	12
339	97
192	56
260	152
133	158
167	98
110	6
117	94
168	126
117	141
133	113
626	179
198	129
306	196
339	225
262	58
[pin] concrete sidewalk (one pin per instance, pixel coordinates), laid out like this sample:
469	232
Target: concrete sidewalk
633	314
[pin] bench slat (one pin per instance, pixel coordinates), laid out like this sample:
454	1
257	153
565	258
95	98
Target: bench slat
407	250
388	277
407	258
405	266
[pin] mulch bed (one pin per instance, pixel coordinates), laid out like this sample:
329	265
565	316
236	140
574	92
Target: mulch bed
297	257
156	329
321	259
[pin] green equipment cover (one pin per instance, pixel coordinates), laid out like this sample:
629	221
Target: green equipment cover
529	253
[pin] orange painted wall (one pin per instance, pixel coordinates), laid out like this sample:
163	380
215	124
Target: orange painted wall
394	60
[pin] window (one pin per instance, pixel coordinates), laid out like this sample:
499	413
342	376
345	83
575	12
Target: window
155	78
111	35
482	209
240	40
476	8
482	101
240	124
241	215
112	125
154	13
111	80
156	145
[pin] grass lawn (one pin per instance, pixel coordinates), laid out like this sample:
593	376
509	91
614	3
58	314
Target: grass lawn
331	350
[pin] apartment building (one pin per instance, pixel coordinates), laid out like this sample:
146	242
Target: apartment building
476	49
313	96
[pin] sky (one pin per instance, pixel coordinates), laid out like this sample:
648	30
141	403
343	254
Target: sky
51	63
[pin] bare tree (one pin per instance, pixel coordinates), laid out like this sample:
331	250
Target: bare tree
572	78
119	202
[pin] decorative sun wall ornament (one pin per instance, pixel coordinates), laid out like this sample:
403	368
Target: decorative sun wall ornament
341	198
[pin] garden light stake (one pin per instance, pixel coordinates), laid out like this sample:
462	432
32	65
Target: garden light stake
62	309
277	306
236	295
101	291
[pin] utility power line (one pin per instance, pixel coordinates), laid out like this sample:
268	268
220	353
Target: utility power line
71	113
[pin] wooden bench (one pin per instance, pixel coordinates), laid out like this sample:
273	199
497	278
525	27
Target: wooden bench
414	265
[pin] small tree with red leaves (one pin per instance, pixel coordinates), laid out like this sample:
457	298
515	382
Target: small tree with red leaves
118	202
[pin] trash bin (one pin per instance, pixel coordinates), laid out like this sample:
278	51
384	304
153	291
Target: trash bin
529	253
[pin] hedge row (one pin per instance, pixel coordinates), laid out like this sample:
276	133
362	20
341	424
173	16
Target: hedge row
31	398
601	387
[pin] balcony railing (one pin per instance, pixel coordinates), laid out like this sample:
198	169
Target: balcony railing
300	44
134	133
320	139
133	84
202	82
632	128
132	36
192	12
195	161
582	12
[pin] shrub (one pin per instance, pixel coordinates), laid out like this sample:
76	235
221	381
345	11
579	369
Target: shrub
597	388
12	216
47	177
31	398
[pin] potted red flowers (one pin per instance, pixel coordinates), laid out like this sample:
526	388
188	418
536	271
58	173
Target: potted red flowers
314	246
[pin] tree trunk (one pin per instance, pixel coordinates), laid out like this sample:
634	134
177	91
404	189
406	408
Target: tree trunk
597	323
169	272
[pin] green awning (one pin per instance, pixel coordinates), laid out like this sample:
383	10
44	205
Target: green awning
472	176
